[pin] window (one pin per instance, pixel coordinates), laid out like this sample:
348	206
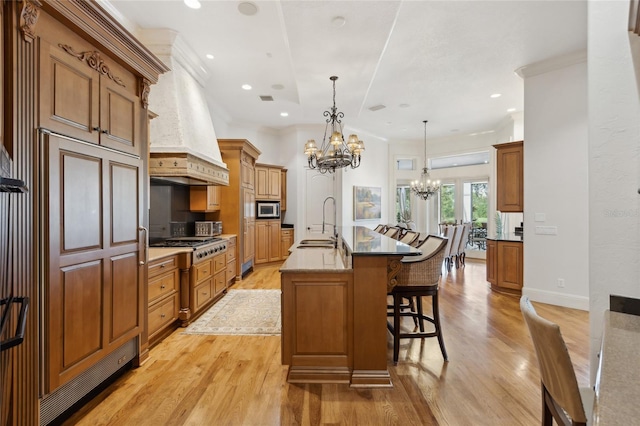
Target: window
403	205
448	203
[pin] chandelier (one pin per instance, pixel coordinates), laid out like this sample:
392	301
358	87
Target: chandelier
334	152
425	187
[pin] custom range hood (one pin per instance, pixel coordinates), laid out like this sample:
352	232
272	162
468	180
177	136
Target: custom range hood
184	148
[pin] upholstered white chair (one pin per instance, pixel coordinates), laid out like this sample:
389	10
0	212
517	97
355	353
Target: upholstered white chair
409	237
449	233
462	244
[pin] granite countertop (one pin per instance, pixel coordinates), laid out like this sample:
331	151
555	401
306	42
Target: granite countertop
505	237
357	241
156	253
618	379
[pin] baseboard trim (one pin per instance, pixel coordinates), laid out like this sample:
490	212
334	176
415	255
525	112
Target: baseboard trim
557	299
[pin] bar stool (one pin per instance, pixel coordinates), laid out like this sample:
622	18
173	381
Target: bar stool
419	276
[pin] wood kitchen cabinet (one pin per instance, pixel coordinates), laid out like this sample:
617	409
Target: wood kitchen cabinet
164	297
208	283
286	241
283	190
268	240
85	94
231	260
510	177
268	182
505	265
204	198
238	213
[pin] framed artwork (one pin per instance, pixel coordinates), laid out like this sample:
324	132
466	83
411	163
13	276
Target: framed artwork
367	202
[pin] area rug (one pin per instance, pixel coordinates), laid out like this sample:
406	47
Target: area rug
241	312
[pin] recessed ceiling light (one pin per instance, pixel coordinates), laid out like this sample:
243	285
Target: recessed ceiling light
193	4
496	95
277	86
210	56
246	86
511	110
338	22
284	114
247	8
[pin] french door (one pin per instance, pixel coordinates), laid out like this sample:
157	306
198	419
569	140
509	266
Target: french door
466	200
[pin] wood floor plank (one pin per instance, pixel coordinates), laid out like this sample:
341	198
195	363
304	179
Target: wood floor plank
491	377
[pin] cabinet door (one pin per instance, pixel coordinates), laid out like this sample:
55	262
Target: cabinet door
262	241
283	190
249	225
286	241
274	241
69	94
491	261
510	270
510	177
94	289
204	198
262	183
274	183
247	171
119	117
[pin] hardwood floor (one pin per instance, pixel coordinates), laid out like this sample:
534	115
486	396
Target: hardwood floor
491	377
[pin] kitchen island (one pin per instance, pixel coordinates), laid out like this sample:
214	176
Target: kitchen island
334	307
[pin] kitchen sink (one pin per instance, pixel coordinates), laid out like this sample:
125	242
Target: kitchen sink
317	241
329	246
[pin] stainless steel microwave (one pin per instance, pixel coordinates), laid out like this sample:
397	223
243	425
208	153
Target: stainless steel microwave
268	209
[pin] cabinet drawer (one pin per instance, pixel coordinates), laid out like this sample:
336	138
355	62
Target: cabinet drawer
231	254
163	313
219	262
204	270
203	294
163	285
231	271
286	232
161	266
220	282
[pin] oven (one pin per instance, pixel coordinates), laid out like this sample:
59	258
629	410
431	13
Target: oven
268	209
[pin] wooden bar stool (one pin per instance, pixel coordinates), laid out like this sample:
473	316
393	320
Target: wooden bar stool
419	276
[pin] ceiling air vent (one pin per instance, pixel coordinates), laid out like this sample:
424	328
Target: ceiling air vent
377	107
266	98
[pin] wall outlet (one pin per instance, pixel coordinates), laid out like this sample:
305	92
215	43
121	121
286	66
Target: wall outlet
561	282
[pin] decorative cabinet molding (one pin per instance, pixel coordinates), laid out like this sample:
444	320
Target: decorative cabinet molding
94	61
29	18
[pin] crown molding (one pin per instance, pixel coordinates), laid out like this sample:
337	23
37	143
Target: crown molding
552	64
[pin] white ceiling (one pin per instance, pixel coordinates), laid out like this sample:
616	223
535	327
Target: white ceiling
433	60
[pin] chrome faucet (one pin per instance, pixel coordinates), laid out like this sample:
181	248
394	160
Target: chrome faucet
335	229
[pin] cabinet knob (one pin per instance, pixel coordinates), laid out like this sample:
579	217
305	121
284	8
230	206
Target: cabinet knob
162	266
96	129
162	315
162	287
105	132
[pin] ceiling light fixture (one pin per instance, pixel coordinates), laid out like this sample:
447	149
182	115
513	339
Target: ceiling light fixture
193	4
210	56
496	95
246	86
334	152
511	110
424	187
284	114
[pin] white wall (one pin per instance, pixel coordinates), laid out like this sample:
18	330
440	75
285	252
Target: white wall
614	145
556	185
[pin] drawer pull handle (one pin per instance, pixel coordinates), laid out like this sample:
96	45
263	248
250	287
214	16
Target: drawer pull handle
162	287
162	315
162	266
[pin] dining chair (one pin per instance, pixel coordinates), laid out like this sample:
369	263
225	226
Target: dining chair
391	232
449	233
562	399
419	277
409	237
462	244
379	228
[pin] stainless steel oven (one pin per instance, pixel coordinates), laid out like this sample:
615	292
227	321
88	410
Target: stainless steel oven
268	209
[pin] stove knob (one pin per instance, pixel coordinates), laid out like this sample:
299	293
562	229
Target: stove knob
215	249
199	255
